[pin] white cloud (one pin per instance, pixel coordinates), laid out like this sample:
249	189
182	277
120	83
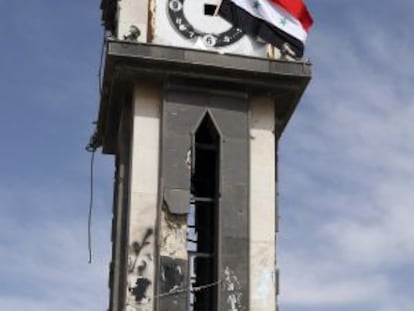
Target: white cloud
323	283
347	173
43	252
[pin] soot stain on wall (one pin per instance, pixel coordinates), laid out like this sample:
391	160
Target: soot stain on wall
172	274
139	291
173	284
138	265
137	248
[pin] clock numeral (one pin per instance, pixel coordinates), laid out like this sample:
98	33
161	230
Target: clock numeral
226	39
178	21
209	40
175	5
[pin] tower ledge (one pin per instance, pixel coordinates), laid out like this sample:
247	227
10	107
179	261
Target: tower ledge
127	63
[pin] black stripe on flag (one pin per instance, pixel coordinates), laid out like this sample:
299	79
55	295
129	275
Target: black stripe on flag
257	27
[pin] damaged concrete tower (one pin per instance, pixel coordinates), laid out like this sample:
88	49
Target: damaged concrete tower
193	110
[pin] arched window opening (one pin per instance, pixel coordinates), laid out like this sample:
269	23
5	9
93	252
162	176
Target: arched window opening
202	218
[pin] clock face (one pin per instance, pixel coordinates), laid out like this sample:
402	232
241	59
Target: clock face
195	19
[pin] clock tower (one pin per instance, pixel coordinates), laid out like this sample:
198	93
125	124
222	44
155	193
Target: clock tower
192	109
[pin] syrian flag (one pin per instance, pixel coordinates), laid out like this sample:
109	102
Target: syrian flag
275	21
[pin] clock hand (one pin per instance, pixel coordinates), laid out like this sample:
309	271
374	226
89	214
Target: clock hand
210	9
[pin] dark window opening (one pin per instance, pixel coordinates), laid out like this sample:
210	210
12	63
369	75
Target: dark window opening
209	9
202	219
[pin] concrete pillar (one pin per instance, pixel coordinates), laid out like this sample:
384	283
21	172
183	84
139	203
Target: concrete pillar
262	205
121	207
143	198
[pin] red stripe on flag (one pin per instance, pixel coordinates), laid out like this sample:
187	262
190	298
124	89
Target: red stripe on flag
298	10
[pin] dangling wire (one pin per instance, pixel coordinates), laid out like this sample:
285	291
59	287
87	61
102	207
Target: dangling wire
178	291
90	208
91	147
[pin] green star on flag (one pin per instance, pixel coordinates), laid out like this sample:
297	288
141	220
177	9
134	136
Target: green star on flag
256	5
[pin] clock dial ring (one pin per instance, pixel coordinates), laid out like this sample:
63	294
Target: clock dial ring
184	27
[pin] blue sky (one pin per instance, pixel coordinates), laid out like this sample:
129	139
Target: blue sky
346	161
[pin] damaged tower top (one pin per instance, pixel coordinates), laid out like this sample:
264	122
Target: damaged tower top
192	107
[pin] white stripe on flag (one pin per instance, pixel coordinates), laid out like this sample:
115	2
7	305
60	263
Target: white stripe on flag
275	15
